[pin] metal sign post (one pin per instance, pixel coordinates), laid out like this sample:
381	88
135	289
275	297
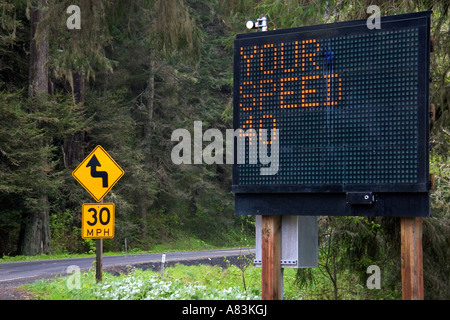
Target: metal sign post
163	263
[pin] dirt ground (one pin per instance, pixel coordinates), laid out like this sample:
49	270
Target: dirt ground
15	294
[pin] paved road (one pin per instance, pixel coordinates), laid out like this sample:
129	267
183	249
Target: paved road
13	274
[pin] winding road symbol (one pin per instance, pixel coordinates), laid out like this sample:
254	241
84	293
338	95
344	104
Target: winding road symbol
94	163
98	173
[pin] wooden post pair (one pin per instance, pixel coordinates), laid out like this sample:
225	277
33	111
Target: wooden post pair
411	258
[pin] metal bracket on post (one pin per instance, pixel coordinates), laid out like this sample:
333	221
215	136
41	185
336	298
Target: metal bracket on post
299	242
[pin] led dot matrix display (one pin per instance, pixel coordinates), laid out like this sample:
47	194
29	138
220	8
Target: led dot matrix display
350	104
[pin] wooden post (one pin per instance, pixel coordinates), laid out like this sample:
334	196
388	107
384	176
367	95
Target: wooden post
412	258
271	258
98	259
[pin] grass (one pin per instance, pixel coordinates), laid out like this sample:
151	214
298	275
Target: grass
202	282
179	282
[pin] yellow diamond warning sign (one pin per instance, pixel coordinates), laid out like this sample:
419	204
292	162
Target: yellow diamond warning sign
98	173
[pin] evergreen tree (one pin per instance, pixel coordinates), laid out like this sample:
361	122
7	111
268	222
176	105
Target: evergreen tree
35	233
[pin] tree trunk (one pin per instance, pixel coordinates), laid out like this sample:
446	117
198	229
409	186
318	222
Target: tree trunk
143	222
36	236
38	76
73	144
36	227
150	97
146	142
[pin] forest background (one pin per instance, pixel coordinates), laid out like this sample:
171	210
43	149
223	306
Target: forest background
134	72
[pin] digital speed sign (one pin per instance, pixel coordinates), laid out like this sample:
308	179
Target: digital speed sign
350	106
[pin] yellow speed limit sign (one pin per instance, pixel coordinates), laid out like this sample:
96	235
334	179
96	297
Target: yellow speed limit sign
97	221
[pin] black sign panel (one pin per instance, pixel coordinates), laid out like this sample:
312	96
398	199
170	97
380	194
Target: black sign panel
330	113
